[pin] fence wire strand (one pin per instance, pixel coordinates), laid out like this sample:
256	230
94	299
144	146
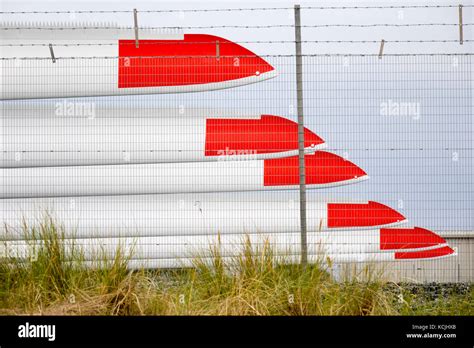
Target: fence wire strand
240	9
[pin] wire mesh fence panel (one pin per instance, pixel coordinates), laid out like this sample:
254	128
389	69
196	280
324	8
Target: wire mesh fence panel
168	144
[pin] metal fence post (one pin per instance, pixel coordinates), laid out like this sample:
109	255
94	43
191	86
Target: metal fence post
299	96
135	21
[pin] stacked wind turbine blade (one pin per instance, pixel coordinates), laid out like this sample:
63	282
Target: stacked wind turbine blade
382	243
87	133
190	214
163	62
323	169
291	259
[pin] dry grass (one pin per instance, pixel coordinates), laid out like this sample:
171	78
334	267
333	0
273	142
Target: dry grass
56	283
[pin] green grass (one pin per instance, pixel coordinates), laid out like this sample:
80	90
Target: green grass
55	282
424	303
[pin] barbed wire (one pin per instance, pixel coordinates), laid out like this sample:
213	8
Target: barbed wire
253	56
369	7
242	9
268	26
331	149
164	42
